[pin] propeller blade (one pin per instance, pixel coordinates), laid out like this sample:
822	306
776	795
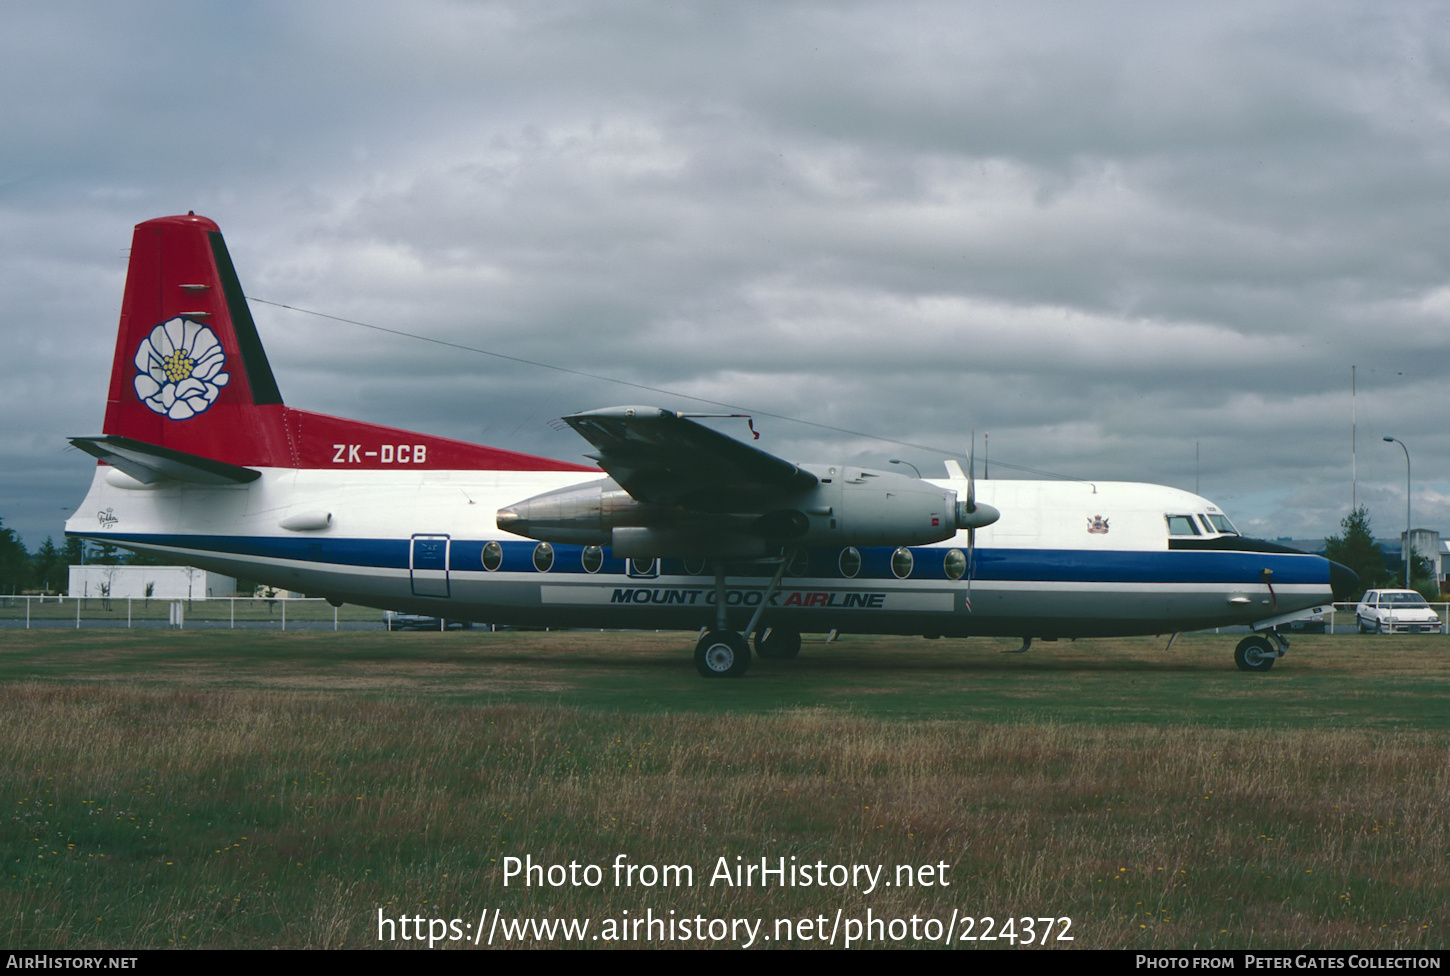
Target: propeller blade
972	474
971	509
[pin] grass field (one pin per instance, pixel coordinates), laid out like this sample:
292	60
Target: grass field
255	789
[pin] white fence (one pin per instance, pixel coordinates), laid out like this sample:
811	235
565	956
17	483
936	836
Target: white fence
299	613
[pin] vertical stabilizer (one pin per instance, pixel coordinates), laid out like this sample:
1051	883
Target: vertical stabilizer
189	372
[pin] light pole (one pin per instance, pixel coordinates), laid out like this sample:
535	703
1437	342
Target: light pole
907	463
1407	550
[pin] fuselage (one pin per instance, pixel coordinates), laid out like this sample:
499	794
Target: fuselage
1066	559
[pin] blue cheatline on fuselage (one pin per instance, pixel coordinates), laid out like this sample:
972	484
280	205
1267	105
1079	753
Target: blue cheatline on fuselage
992	565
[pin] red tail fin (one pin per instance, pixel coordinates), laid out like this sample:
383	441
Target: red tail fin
190	374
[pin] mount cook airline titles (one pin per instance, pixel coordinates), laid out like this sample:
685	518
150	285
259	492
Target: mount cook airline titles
683	528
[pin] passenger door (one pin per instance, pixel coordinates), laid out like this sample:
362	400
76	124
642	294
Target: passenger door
428	564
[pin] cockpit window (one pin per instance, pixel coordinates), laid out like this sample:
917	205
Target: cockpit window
1207	526
1222	523
1182	525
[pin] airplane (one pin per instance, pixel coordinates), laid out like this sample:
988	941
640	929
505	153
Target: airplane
679	527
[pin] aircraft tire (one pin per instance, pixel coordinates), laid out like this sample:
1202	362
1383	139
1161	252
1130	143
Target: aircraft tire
722	654
778	645
1254	654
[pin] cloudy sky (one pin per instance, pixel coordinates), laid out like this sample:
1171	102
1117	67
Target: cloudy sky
1136	241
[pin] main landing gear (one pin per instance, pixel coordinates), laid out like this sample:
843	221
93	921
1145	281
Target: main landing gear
724	653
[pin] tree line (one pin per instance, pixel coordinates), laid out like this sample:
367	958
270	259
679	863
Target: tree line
48	568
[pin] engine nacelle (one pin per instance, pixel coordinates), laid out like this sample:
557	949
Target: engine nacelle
847	507
862	507
581	515
601	513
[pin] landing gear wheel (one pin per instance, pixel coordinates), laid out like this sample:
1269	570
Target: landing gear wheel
722	654
1255	654
777	644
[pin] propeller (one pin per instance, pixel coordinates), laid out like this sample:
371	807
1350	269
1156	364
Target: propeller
971	510
972	516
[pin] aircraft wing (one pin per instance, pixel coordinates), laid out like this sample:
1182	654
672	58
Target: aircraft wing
662	457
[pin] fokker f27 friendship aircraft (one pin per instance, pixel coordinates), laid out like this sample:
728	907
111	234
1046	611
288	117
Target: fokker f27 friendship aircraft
684	528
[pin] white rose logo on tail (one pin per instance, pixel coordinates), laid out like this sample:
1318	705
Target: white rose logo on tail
181	369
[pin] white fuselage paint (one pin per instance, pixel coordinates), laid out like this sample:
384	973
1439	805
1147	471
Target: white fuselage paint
1065	559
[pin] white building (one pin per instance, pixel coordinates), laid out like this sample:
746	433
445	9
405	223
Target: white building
148	582
1429	547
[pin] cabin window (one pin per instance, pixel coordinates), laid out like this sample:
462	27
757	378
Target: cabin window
901	562
543	557
850	562
593	558
695	567
955	564
800	563
492	556
1182	525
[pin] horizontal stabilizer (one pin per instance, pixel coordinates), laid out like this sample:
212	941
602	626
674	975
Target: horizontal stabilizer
148	463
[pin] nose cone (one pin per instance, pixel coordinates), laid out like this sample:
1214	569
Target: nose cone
1343	581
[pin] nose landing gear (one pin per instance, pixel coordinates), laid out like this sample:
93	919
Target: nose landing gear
1258	652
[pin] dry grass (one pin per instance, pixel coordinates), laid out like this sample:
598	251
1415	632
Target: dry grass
159	806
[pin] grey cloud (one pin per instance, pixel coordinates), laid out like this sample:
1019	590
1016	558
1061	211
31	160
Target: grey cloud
1105	234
